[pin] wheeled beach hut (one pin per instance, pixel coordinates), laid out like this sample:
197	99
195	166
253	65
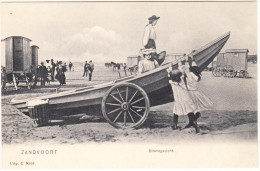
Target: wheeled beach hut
18	61
232	63
132	63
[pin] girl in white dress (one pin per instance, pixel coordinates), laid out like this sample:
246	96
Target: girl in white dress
192	78
183	104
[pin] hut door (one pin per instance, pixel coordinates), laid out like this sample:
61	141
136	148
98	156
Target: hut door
18	61
18	55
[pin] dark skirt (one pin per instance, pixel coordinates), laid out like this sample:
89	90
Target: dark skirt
62	79
150	44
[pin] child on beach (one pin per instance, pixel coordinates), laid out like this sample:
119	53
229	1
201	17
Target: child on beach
192	78
183	104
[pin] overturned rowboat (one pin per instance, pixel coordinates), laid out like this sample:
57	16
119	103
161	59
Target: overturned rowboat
125	102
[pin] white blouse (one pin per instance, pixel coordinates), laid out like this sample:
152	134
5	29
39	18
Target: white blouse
149	33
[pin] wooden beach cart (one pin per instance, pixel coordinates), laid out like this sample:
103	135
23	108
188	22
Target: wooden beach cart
124	103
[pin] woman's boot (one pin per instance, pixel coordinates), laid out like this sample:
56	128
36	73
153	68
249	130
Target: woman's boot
175	122
194	123
190	120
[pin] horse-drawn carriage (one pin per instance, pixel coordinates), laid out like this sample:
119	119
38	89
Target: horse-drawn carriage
230	64
21	61
125	102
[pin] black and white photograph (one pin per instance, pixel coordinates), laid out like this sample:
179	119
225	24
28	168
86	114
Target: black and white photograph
116	85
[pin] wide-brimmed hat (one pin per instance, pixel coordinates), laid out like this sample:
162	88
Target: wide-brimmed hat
147	51
153	17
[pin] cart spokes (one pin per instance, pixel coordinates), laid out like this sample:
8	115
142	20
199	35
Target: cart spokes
125	105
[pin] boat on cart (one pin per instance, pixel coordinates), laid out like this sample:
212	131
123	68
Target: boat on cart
124	103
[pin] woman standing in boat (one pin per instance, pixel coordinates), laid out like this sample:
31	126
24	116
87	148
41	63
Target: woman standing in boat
149	40
192	78
149	33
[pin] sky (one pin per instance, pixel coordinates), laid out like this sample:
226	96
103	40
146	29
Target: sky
111	31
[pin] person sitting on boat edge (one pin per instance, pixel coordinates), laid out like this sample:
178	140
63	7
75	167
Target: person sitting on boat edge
148	63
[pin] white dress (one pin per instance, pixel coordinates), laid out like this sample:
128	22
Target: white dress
182	104
147	65
201	101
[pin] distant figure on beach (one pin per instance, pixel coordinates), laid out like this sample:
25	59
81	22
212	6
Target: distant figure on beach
53	66
148	63
86	66
118	66
60	76
65	67
43	74
90	69
70	66
124	67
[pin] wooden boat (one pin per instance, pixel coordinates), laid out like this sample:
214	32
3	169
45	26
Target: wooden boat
125	102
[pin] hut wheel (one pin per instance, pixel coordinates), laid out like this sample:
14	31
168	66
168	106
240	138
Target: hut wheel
125	105
229	71
217	71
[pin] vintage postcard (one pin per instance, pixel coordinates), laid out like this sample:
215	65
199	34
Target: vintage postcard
125	84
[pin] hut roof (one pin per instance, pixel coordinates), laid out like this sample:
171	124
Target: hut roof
237	51
16	37
35	46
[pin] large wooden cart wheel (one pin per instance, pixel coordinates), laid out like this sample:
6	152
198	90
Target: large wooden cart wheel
125	105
